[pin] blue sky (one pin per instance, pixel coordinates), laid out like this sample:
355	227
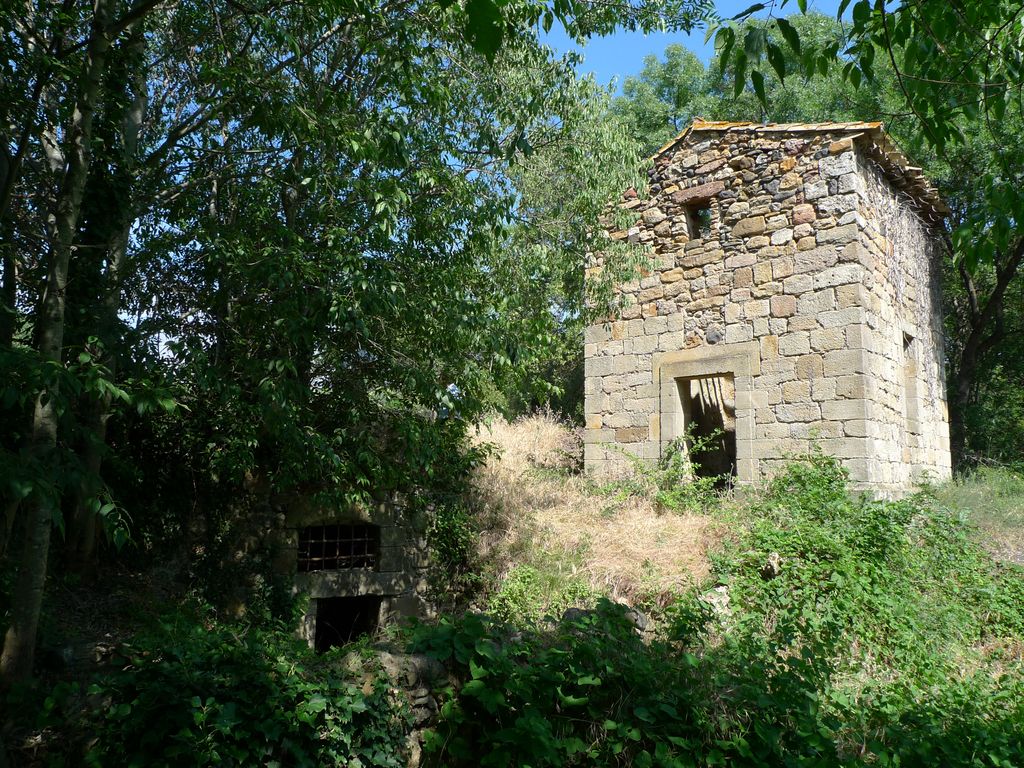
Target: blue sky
622	54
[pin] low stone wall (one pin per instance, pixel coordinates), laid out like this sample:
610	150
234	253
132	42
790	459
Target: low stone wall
400	576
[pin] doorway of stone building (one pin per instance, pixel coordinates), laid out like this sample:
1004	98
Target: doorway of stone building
708	405
340	620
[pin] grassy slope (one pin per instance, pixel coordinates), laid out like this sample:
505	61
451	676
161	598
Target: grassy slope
822	630
537	512
994	500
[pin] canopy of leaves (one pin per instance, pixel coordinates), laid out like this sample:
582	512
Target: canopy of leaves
316	241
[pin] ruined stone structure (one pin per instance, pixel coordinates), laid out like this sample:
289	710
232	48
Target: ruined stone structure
793	297
360	567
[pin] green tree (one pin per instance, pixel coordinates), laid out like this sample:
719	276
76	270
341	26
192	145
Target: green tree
69	157
665	97
982	178
301	223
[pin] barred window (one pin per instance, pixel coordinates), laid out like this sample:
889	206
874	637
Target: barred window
338	547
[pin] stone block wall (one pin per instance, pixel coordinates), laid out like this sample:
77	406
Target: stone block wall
788	290
400	576
907	404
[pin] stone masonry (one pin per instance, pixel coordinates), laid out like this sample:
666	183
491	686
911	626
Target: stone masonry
792	298
398	578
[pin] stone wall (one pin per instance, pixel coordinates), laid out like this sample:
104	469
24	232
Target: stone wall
908	420
786	292
400	577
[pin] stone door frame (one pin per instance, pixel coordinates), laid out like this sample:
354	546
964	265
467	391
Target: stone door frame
742	361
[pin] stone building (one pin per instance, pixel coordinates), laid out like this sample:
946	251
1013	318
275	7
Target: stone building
360	567
793	297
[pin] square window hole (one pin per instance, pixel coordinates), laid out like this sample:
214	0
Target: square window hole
698	220
340	620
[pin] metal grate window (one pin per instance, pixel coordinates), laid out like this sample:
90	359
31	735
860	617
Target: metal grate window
338	547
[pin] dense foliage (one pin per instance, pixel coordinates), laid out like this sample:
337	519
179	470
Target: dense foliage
842	632
252	251
195	692
833	631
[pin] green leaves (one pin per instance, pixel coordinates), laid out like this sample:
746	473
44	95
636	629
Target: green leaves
777	61
933	49
757	79
861	13
749	11
484	26
789	34
543	695
201	693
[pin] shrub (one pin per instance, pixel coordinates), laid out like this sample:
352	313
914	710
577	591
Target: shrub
195	695
588	692
675	482
528	595
452	539
874	625
679	486
856	632
520	599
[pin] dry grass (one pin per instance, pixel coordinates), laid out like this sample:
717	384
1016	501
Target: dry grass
536	509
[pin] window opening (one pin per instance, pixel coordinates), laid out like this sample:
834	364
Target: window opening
709	423
340	620
338	547
910	400
698	220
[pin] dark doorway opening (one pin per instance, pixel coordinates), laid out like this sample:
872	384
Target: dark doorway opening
709	418
340	620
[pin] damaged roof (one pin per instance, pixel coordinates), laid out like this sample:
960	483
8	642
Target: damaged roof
870	136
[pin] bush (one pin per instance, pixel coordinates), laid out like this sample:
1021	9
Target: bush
588	692
452	538
520	599
191	694
675	482
854	632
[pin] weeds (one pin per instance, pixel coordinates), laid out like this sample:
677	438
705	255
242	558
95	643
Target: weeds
853	632
675	483
197	692
827	631
995	499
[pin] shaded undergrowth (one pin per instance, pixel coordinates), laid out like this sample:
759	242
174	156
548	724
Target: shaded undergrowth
829	631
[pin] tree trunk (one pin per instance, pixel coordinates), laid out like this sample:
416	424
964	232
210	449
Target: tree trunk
10	515
9	290
9	294
986	331
26	602
83	529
